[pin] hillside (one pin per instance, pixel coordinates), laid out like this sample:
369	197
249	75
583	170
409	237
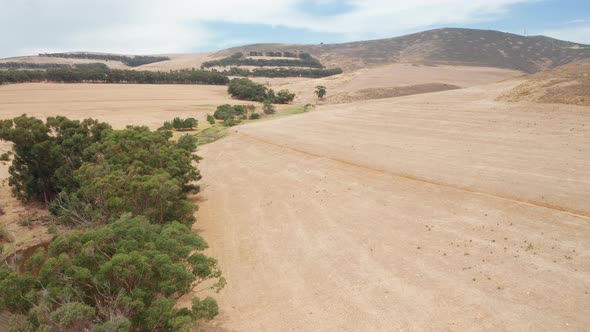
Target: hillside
451	46
567	84
442	46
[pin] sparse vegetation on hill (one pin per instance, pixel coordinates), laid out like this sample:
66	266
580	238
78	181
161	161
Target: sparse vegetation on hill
567	84
443	46
132	61
133	254
97	75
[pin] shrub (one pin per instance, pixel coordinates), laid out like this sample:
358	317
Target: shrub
284	97
224	112
4	157
268	108
5	234
210	119
254	116
230	122
51	229
239	109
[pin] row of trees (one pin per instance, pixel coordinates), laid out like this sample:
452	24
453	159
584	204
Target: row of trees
180	124
282	72
133	61
307	61
245	89
133	254
29	65
93	75
275	54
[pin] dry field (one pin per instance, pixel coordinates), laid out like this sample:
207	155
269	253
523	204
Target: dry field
118	104
441	212
365	83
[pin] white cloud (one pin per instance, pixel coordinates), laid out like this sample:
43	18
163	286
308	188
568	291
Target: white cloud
578	33
164	26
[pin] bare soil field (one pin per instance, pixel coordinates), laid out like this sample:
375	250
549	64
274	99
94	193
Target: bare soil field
118	104
446	211
354	85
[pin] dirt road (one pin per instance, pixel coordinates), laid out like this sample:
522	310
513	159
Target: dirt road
445	211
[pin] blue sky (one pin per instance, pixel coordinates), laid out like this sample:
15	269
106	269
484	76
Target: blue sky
178	26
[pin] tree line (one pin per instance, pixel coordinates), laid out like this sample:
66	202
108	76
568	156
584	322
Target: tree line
305	60
132	254
93	75
282	72
29	65
134	61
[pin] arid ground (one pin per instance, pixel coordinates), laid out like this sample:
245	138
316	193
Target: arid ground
445	211
438	211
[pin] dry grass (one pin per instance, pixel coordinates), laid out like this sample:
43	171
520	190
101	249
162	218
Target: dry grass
568	84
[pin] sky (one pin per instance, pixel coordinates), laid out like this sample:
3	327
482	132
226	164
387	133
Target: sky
29	27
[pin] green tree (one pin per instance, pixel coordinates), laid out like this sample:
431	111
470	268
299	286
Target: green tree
129	268
46	154
224	112
132	170
320	91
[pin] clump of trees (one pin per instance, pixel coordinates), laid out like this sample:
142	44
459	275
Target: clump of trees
246	89
232	115
282	72
133	253
180	124
133	61
100	75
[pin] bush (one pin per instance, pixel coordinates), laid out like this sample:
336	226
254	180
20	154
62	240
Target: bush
239	110
210	119
230	122
284	97
254	116
268	108
184	124
224	112
51	229
5	157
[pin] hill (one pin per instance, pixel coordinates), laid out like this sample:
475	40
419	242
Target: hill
567	84
441	46
452	46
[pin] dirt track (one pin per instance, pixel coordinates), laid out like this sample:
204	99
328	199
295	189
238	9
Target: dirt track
445	211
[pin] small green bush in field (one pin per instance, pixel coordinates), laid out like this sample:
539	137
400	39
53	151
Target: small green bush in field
254	116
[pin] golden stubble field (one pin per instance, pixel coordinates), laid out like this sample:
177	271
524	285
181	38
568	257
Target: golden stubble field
441	211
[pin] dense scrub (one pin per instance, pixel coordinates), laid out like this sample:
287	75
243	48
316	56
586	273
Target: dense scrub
282	72
180	124
97	75
131	254
245	89
133	61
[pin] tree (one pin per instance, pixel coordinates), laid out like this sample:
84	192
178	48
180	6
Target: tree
46	154
128	273
243	88
320	91
132	170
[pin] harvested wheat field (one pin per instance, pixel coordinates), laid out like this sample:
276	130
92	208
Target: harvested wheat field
445	211
118	104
